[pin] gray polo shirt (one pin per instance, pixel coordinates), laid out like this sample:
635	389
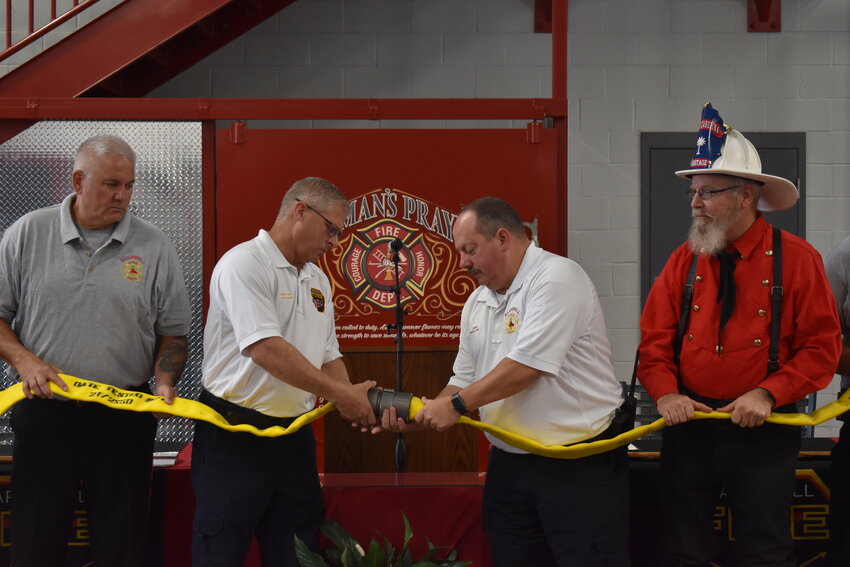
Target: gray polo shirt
95	314
837	266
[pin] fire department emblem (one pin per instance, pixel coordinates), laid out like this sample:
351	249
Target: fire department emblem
512	321
370	269
132	268
318	299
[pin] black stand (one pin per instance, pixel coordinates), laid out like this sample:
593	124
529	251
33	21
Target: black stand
400	451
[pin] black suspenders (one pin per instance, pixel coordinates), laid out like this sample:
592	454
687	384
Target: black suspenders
685	312
776	293
776	303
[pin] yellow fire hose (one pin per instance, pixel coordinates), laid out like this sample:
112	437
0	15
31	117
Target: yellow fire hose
90	391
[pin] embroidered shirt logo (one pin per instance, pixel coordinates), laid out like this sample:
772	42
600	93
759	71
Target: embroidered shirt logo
132	268
318	299
512	321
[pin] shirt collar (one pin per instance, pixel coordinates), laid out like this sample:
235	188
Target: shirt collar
750	239
272	251
121	229
276	256
532	253
68	228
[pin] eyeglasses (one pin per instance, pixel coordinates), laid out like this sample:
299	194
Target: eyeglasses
333	230
707	194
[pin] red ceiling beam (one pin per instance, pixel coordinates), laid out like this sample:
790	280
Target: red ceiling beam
764	15
559	18
543	16
281	109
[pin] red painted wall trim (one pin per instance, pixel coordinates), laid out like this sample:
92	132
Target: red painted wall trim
281	109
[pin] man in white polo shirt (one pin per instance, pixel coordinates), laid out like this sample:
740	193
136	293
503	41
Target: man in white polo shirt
534	359
270	349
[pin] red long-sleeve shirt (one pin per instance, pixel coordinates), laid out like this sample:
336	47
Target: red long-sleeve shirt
810	337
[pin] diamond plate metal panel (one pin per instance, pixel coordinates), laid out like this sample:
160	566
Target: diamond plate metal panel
35	171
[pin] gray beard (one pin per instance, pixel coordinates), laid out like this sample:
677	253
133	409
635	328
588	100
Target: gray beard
709	238
706	239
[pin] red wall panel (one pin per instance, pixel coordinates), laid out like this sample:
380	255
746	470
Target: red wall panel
402	183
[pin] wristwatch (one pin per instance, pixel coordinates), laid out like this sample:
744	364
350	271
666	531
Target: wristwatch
457	403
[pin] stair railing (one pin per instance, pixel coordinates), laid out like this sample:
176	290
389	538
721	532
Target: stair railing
32	33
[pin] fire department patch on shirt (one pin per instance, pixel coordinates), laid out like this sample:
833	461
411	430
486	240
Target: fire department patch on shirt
132	268
318	299
512	321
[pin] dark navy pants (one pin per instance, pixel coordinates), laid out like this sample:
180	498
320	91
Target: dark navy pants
839	506
247	485
557	512
756	468
62	447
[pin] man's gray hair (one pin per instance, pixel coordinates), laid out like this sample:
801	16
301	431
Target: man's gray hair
104	144
756	185
315	191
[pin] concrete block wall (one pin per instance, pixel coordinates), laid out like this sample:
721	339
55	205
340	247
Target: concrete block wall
382	48
634	65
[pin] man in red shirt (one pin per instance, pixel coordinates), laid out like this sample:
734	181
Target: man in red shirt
723	351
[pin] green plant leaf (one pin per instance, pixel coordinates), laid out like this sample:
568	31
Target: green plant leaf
375	555
345	558
431	555
348	552
390	551
352	557
340	538
408	532
307	558
434	551
334	555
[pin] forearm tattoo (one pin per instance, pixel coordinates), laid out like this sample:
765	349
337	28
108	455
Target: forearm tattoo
173	356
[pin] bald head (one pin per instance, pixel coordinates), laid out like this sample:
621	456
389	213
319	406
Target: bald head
492	213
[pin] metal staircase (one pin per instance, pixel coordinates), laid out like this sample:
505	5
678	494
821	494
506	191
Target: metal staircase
131	49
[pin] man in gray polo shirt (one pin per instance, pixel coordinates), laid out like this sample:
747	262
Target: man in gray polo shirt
88	289
837	267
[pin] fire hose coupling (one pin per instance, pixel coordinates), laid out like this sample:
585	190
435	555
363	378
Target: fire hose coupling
406	404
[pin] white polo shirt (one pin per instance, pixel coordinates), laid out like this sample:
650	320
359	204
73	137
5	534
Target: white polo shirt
255	293
549	319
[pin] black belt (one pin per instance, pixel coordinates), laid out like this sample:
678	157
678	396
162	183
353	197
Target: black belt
236	414
715	403
609	433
